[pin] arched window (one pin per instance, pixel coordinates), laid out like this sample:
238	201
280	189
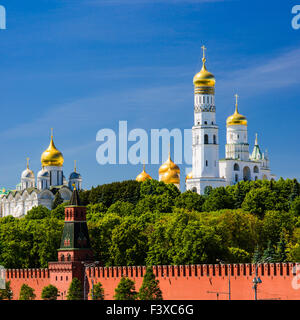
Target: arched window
236	178
62	257
69	257
206	139
255	178
215	139
205	122
247	174
194	189
236	167
255	169
206	163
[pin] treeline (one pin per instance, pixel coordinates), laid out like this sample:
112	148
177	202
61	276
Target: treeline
132	223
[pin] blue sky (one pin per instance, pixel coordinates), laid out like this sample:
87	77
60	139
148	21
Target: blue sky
82	65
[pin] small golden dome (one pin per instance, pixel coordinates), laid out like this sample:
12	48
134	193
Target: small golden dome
171	176
143	176
189	176
236	118
52	156
204	78
168	164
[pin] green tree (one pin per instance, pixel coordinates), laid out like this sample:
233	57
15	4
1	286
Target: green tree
101	236
125	290
49	292
39	212
190	200
121	208
281	250
158	188
295	192
75	291
97	292
26	293
257	256
128	244
269	253
6	294
57	200
59	211
295	207
150	287
218	199
258	201
95	212
128	191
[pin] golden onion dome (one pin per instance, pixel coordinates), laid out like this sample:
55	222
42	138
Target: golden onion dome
236	118
143	176
171	176
189	176
52	156
204	78
168	164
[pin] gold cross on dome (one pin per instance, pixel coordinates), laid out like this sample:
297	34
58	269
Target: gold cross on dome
236	98
203	48
27	163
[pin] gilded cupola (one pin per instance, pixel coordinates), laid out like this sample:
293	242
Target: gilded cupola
52	156
168	164
204	81
236	118
143	176
171	176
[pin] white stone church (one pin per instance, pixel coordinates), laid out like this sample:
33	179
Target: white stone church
31	193
238	165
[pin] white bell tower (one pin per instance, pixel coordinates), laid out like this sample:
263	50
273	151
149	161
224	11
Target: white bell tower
205	134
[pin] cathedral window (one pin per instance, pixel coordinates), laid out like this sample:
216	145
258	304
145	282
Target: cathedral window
255	169
206	163
206	139
236	178
215	139
236	167
205	122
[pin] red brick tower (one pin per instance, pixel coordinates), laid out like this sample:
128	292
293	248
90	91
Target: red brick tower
74	249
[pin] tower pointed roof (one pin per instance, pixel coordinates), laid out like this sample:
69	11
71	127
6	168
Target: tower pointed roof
256	154
75	200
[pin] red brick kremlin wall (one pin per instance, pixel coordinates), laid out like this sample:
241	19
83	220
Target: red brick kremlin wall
203	282
195	282
34	278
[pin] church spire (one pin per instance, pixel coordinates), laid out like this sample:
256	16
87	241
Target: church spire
256	154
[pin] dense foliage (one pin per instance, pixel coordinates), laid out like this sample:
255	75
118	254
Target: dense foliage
50	292
133	223
75	291
26	293
150	289
97	292
125	290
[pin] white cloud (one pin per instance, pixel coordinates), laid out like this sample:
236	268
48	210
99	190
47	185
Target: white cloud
264	74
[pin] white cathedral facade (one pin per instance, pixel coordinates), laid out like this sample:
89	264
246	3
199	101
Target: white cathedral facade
207	169
31	192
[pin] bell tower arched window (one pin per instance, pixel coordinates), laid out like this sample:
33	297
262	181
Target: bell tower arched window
206	139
